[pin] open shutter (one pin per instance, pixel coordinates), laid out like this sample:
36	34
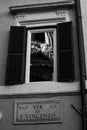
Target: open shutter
65	52
16	56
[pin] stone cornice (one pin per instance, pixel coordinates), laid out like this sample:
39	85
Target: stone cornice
40	6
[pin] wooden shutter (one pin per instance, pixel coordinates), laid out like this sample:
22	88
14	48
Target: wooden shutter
16	56
65	52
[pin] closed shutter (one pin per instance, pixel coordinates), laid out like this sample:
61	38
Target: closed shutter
65	52
15	73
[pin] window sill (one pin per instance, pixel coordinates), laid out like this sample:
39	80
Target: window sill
40	88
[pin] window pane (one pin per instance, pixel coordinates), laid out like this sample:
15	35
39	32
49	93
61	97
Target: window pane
41	68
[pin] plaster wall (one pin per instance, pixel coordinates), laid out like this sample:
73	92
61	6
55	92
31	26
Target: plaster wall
84	23
71	120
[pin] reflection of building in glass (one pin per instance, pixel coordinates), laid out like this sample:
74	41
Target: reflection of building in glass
42	42
41	56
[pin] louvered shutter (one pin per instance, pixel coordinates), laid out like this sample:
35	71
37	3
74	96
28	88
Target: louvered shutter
65	52
15	73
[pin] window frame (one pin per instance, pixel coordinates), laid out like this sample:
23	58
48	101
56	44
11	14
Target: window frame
29	32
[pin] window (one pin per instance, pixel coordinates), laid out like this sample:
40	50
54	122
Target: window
41	46
40	54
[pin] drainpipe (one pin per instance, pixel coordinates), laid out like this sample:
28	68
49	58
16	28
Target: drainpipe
81	60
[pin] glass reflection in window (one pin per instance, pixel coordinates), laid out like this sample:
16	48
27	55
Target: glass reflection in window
41	66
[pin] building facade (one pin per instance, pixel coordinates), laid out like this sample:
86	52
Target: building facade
43	64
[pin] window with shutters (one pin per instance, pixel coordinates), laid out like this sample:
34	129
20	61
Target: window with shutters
50	54
43	45
40	54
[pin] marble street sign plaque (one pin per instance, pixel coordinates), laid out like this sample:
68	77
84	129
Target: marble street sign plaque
37	111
